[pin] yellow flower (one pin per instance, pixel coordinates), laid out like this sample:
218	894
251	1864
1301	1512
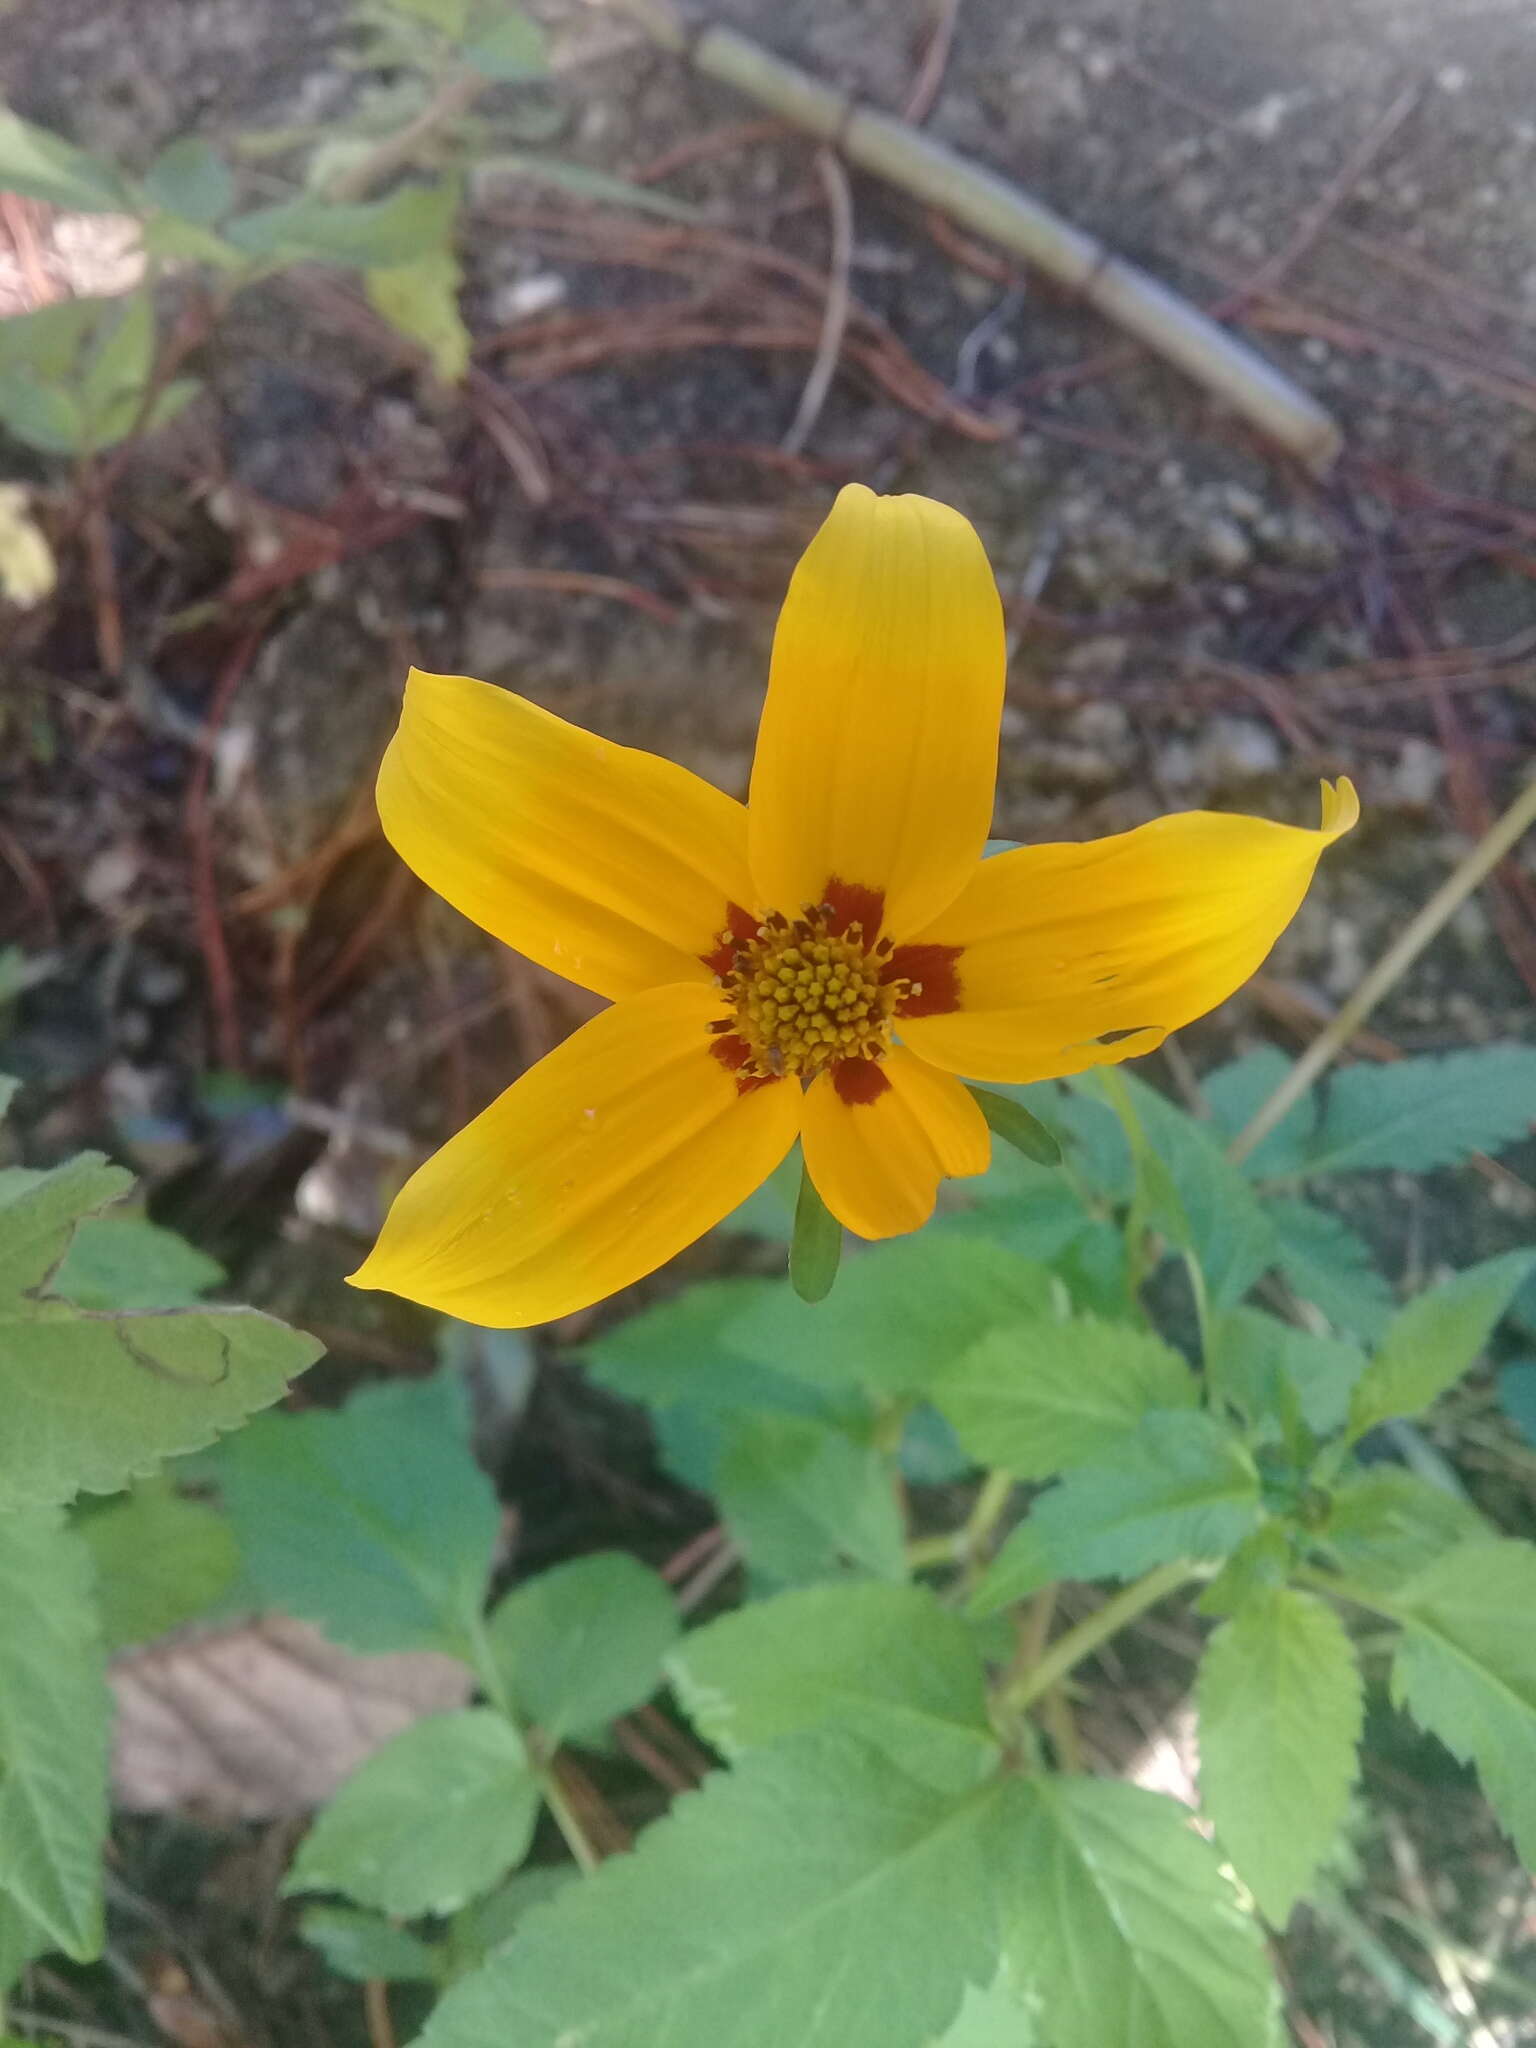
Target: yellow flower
823	964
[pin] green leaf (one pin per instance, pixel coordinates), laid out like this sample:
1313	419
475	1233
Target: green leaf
1119	1922
375	1523
1466	1670
1331	1267
485	1924
38	1220
182	241
1182	1487
679	1349
39	414
161	1560
502	42
1431	1342
583	1643
816	1244
1385	1524
585	182
1281	1710
55	1712
446	16
421	300
1017	1126
1517	1396
360	1946
127	1262
804	1501
192	180
1412	1115
430	1821
1261	1362
374	234
113	385
41	165
1235	1093
812	1896
1041	1397
21	1942
991	2019
1217	1214
902	1313
887	1663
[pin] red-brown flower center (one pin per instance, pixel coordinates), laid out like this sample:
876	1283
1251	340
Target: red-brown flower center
809	993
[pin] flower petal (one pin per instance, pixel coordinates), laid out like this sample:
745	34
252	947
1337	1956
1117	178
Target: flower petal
621	1147
1135	935
877	752
607	865
877	1162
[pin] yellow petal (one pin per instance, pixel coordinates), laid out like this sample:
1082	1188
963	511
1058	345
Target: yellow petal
877	1164
608	865
1137	934
625	1144
877	752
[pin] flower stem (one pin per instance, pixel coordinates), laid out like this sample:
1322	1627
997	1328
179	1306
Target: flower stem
1389	970
1068	1651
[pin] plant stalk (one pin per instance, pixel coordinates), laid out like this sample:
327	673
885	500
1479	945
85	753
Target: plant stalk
1068	1651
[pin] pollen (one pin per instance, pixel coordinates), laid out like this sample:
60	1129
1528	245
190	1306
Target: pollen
808	993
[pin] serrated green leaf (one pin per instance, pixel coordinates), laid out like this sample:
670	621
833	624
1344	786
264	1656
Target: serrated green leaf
21	1942
430	1821
583	1643
192	179
887	1663
161	1560
1183	1487
1119	1922
55	1713
1234	1093
1466	1670
805	1501
1385	1524
1043	1396
1431	1342
1281	1709
91	1404
375	1522
900	1314
128	1262
1328	1265
502	42
421	300
38	1221
680	1350
360	1946
813	1895
991	2019
1258	1358
41	165
373	234
483	1925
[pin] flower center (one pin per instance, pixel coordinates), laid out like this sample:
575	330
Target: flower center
808	994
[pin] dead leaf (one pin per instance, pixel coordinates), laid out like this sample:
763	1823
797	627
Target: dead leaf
261	1720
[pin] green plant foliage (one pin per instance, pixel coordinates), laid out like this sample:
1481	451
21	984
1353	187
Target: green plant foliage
373	234
41	165
1329	1265
127	1262
812	1895
888	1663
585	1642
431	1821
1265	1366
1018	1127
363	1945
899	1316
1183	1486
991	2019
1280	1715
192	180
421	299
805	1501
1411	1115
161	1560
1045	1396
1120	1924
1430	1343
95	1397
502	42
815	1245
374	1523
1466	1670
54	1716
1385	1524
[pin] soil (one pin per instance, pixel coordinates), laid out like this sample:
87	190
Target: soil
1192	621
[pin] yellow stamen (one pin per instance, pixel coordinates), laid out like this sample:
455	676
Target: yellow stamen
807	996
